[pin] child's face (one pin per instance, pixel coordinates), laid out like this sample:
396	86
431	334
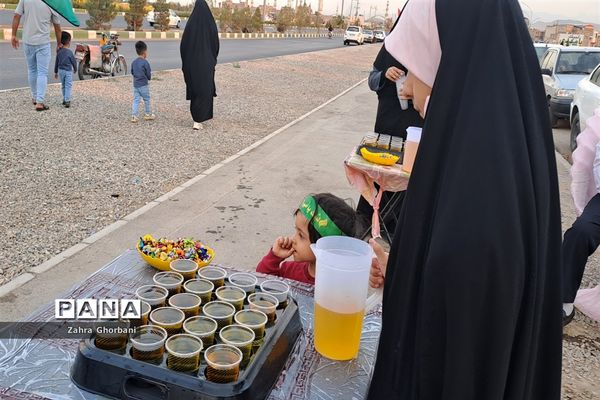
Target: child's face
301	241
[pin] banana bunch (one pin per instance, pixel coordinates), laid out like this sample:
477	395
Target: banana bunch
381	158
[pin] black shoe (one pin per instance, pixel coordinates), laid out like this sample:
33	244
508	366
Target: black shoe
67	104
568	318
63	103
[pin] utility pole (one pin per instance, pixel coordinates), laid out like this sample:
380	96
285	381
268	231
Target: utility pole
387	9
356	13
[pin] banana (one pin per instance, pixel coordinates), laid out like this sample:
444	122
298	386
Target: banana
379	158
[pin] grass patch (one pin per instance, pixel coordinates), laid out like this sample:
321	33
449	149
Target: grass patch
80	34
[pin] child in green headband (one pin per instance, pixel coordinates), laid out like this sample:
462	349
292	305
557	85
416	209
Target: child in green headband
317	216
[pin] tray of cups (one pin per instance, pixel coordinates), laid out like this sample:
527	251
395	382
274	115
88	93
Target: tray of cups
210	337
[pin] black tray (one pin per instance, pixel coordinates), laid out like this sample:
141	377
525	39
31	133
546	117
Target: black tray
121	377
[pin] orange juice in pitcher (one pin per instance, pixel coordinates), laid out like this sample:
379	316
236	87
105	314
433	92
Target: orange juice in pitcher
341	285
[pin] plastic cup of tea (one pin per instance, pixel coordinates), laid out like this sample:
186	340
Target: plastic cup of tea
171	281
143	320
222	312
183	352
155	296
200	287
241	337
202	327
411	146
232	295
148	343
187	268
169	318
187	302
253	319
245	281
214	274
278	289
223	363
111	334
266	303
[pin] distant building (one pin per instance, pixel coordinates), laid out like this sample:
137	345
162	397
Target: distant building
537	35
558	32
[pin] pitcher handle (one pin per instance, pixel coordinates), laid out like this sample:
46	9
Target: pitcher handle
374	300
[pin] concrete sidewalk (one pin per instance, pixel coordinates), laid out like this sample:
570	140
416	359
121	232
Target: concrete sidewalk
238	207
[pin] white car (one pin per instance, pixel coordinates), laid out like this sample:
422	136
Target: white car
354	34
585	102
174	20
379	36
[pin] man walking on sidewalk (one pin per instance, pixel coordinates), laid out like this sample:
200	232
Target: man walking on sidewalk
37	17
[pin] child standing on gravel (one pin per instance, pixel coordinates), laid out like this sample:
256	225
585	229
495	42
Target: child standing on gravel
140	69
64	67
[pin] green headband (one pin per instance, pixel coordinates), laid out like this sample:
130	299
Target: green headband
320	220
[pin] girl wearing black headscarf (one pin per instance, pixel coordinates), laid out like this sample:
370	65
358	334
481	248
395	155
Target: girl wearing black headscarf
391	120
199	50
472	302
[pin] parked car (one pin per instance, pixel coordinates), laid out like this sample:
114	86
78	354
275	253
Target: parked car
354	34
562	69
174	20
369	36
540	49
379	36
585	102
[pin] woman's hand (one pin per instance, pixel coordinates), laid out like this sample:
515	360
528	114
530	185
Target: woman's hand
282	247
393	73
378	266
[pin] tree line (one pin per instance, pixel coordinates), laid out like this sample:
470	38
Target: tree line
230	19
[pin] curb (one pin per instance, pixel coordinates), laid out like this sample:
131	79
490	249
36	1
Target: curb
31	273
6	35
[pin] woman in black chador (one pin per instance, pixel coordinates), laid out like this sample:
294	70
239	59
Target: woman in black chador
472	302
199	50
391	120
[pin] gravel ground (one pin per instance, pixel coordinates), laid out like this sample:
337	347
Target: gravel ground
67	173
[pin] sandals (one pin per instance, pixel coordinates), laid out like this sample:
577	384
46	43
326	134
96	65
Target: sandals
42	108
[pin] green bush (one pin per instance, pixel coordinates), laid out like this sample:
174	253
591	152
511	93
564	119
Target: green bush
135	15
101	12
161	15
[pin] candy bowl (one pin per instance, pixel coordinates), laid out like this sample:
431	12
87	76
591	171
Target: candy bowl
160	252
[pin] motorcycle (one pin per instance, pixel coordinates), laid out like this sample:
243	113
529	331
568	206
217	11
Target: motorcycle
96	61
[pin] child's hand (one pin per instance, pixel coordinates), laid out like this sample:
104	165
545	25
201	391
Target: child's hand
55	76
378	266
282	247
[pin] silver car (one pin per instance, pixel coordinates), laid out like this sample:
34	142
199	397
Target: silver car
562	69
369	36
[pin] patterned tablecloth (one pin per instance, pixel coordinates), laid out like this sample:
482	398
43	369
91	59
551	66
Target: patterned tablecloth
39	368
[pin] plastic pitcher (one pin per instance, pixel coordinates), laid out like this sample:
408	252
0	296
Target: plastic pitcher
341	286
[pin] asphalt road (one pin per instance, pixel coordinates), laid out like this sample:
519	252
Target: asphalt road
164	54
6	17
